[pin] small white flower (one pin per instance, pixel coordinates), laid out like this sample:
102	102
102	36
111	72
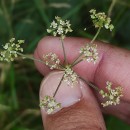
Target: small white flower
70	76
54	24
60	30
10	50
101	20
62	22
113	95
49	104
59	27
49	30
6	46
89	53
51	60
12	40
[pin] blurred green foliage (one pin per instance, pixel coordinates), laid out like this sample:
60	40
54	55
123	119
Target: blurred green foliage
28	19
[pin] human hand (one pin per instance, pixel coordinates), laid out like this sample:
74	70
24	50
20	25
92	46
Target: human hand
113	65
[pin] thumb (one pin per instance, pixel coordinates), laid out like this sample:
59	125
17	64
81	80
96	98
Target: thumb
79	111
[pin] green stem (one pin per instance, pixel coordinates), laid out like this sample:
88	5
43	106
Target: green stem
62	42
90	84
94	38
58	86
38	60
29	57
76	60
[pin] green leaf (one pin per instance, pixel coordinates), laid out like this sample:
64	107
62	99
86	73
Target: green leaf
115	124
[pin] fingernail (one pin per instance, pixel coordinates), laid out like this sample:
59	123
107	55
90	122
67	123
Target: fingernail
66	94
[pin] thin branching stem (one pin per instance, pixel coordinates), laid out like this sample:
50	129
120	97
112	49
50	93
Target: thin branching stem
29	57
65	59
94	38
90	84
38	60
78	60
58	86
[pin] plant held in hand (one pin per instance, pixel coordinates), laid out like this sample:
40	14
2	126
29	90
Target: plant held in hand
88	53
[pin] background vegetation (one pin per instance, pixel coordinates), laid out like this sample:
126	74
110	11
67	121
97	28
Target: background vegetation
28	19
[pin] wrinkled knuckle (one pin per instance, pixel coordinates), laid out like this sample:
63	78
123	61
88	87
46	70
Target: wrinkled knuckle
74	122
77	126
75	117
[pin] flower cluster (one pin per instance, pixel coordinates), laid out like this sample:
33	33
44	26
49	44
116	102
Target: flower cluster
70	76
101	20
89	52
10	50
51	60
113	95
49	104
60	27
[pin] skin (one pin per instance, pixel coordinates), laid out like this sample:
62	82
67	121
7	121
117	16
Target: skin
113	65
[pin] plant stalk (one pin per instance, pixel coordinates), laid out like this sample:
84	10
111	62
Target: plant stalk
58	86
76	60
28	57
97	33
38	60
65	59
90	84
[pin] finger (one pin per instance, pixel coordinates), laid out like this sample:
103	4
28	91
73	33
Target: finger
79	115
113	65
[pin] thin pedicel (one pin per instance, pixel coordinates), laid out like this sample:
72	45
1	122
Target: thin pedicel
88	53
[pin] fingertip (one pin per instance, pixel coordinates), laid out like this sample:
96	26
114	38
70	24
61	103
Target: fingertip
82	114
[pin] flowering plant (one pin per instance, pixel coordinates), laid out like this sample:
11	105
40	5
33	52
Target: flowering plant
88	53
